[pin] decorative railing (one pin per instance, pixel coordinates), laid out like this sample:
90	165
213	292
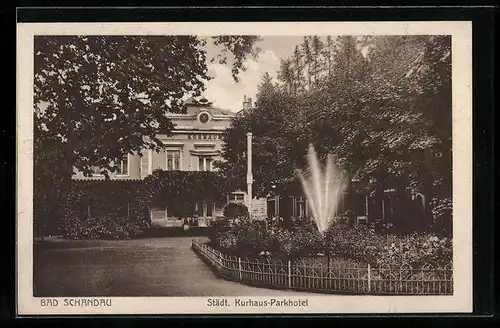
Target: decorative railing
335	279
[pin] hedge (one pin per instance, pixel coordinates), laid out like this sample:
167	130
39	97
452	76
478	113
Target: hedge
104	197
181	185
119	209
104	209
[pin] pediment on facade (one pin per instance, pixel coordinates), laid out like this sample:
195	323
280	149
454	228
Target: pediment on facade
173	144
205	152
204	145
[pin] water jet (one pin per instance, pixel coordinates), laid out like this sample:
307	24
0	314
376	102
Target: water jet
322	187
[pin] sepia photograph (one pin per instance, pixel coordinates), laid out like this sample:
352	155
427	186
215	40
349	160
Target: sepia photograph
252	170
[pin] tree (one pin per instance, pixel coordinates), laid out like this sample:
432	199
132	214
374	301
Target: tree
308	59
317	50
240	47
101	96
370	115
433	72
98	98
421	78
328	51
298	67
285	75
270	145
104	96
390	144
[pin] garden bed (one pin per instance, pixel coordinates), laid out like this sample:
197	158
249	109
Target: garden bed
357	245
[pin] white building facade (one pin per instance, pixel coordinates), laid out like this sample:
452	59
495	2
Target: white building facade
195	144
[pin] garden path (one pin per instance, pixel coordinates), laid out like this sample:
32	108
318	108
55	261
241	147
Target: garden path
141	267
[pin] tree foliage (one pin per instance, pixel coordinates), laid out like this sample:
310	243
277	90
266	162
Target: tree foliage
233	210
266	121
380	104
98	98
107	96
170	186
240	47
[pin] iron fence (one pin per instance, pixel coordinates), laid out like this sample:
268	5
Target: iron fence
336	278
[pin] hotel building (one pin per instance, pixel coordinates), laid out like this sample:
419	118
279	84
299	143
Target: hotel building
195	144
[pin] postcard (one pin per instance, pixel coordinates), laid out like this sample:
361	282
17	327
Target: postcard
244	168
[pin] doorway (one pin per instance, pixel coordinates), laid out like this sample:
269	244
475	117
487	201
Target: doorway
205	212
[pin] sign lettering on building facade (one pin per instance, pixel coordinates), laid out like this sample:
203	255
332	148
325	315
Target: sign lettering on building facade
203	136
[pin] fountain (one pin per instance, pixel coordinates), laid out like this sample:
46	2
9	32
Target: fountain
322	187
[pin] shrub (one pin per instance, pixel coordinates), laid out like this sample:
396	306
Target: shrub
280	243
102	227
306	242
226	240
301	223
418	250
119	208
103	197
233	210
173	185
363	244
383	227
219	233
251	238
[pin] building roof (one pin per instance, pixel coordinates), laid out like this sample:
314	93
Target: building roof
195	106
213	110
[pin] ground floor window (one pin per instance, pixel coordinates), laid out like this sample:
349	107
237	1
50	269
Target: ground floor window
299	207
204	163
205	208
173	160
287	206
123	166
210	209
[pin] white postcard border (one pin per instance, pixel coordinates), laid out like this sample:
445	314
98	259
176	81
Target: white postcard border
460	302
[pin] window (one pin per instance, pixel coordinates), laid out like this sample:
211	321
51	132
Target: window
236	197
298	206
199	208
204	164
204	208
123	166
210	209
204	118
173	160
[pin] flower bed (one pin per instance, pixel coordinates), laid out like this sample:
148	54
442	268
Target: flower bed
357	244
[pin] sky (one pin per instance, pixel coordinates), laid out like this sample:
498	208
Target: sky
225	93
